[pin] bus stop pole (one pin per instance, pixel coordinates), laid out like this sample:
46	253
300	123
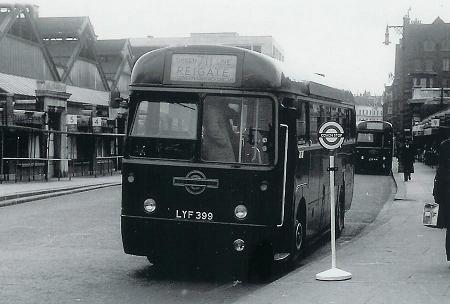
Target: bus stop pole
333	213
333	274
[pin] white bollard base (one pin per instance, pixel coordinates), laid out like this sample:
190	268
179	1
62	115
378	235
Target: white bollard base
333	274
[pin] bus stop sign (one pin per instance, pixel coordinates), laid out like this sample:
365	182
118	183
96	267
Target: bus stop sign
331	135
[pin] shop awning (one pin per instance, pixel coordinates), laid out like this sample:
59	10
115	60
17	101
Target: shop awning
88	96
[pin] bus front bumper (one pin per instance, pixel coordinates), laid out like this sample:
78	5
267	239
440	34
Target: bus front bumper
200	242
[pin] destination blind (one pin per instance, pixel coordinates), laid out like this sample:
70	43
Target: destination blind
203	68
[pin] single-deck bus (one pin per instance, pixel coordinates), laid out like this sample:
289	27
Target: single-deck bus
222	161
374	146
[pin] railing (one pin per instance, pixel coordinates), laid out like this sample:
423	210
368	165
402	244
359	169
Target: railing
28	169
108	164
34	169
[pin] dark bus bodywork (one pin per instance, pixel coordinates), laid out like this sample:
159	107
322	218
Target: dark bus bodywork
195	185
374	147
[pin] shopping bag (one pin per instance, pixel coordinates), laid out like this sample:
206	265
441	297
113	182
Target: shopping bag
430	214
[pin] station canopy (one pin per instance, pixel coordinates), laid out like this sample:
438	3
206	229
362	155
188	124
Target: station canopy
26	87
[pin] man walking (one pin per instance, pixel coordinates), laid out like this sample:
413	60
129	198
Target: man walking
441	192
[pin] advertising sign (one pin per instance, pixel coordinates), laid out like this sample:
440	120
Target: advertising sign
96	121
71	123
203	68
71	119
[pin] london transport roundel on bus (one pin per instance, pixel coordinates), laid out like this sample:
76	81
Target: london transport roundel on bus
331	135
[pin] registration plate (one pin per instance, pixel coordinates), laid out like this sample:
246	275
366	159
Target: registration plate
194	215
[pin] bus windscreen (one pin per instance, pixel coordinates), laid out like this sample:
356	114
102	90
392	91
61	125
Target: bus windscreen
369	139
237	130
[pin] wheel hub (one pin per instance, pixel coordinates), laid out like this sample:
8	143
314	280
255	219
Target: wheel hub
298	235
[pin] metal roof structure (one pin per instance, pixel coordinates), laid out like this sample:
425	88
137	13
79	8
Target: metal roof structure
18	20
63	27
67	39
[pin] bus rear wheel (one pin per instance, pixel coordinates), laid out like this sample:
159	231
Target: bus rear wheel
298	239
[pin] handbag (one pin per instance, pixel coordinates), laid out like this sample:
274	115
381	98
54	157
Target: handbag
430	214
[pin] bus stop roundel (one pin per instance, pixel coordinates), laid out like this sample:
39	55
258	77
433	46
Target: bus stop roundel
331	135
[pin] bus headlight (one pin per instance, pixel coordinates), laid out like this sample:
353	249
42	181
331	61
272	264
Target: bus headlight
239	245
240	212
149	205
264	186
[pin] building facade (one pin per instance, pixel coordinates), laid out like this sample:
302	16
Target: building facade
262	44
55	118
368	108
422	74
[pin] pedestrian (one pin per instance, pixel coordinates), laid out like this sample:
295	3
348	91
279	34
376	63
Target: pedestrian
407	158
441	192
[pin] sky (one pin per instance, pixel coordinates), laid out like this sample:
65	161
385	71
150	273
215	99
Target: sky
341	39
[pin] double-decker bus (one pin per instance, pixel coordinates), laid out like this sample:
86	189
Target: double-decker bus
222	161
374	147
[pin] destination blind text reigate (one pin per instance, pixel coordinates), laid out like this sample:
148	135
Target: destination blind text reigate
203	68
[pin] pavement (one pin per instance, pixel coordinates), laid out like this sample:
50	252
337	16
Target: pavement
394	260
23	192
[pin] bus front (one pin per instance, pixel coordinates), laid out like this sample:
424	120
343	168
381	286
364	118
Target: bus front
374	147
199	174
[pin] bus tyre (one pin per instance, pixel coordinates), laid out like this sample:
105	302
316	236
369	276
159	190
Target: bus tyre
299	237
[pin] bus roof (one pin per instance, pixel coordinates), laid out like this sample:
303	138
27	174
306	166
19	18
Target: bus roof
220	67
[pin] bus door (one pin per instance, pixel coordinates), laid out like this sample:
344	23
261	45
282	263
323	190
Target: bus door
288	155
324	180
313	203
303	159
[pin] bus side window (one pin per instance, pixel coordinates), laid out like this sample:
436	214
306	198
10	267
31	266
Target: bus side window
302	135
346	123
340	117
334	114
314	120
353	124
326	113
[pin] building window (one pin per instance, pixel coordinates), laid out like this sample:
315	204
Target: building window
428	64
428	45
423	82
417	82
257	48
446	83
445	46
446	64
